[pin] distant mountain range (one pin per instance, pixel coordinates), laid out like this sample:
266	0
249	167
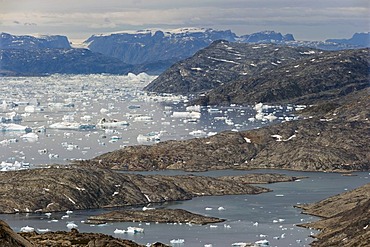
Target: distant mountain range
151	51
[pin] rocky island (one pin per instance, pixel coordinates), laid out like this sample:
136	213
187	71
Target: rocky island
153	215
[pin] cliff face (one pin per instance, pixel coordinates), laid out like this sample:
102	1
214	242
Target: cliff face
26	42
146	46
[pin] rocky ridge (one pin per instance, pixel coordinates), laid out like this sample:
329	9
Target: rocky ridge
309	80
331	139
223	62
61	189
346	219
241	73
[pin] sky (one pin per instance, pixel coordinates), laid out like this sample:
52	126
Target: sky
79	19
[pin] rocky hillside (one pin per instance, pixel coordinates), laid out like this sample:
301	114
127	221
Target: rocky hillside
248	73
333	138
346	219
19	62
61	189
318	77
223	62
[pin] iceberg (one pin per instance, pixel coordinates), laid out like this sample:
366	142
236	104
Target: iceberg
27	229
71	126
198	133
150	137
130	229
11	117
111	123
177	241
14	127
71	225
262	243
192	115
30	137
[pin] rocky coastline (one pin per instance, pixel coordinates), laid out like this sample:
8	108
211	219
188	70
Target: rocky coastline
345	219
72	188
158	215
328	137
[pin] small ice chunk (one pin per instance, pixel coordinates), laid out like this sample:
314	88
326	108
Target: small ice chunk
27	229
71	225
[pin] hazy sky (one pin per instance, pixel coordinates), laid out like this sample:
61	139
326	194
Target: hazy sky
79	19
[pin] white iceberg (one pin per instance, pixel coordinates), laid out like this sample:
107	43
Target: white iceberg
14	127
177	241
263	242
130	229
71	225
71	126
111	123
27	229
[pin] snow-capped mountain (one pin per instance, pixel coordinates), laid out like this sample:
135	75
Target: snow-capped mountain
27	42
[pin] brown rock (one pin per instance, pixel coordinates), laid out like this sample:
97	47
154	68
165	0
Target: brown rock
154	215
9	238
47	190
346	219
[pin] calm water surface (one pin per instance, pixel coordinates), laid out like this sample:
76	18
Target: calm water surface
249	218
